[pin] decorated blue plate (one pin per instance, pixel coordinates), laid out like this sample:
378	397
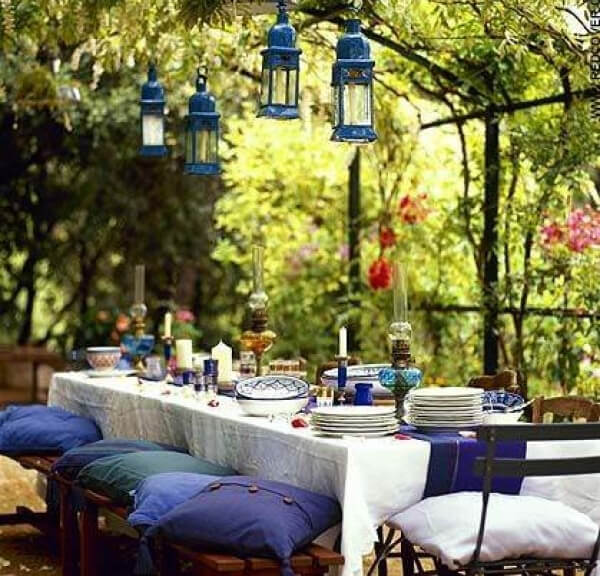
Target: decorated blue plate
499	401
276	387
357	372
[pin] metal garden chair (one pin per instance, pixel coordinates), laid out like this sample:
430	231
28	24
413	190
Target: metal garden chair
490	467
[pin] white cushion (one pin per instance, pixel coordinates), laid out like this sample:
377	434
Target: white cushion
447	526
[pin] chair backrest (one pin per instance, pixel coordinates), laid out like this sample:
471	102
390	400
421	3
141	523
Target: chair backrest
505	380
491	465
566	407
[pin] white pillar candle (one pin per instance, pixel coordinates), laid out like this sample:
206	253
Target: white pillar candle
153	130
343	342
223	354
183	350
168	322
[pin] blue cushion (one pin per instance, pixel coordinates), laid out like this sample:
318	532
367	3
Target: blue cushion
251	517
44	429
160	493
118	476
70	463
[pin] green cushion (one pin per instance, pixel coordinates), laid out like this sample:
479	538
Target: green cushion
118	476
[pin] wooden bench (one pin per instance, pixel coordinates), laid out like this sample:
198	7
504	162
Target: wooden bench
313	561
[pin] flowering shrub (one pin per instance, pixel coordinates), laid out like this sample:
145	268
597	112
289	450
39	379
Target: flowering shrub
580	231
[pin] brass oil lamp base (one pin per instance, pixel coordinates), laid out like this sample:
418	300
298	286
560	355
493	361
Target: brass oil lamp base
259	338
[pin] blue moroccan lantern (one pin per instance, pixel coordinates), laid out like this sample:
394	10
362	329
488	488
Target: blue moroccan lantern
202	132
152	106
280	71
352	81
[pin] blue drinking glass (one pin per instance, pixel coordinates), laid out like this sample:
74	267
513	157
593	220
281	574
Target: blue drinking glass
363	394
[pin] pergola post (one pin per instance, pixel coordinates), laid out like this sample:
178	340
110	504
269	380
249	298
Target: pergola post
354	283
490	241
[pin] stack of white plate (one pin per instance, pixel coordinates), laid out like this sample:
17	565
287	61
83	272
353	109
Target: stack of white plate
445	408
366	421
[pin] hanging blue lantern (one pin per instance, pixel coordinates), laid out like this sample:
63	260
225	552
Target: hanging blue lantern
152	116
352	82
202	132
280	71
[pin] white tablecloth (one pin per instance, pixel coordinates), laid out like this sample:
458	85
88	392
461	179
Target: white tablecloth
372	479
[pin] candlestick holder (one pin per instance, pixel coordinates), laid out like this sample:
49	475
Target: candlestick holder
170	363
342	372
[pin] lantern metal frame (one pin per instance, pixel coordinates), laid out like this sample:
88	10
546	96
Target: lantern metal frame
202	117
280	56
353	66
152	103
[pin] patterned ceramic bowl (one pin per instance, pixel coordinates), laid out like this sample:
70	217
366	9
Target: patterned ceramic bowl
103	358
267	388
500	401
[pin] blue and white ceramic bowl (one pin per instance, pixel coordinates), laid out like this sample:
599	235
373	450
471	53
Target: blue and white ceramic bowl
500	401
276	387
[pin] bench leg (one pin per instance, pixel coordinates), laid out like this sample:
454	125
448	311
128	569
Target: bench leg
88	540
68	533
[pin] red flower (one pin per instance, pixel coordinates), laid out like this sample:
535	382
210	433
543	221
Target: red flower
412	209
380	274
184	316
387	237
122	323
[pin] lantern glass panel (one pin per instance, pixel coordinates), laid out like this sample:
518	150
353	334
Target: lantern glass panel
189	146
280	79
206	146
335	105
264	91
153	133
357	104
291	87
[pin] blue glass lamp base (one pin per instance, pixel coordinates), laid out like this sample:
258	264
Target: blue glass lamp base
202	169
153	151
400	381
355	134
278	112
138	348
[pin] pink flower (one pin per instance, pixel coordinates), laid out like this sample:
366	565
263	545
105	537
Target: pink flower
413	209
184	316
344	252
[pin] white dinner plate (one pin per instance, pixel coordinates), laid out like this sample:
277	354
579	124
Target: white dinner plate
357	434
354	411
447	393
109	373
355	426
357	423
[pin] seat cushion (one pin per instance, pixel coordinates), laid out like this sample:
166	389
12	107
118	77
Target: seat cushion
118	476
71	463
44	429
160	493
271	519
447	527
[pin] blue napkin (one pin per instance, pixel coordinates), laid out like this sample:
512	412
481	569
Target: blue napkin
452	459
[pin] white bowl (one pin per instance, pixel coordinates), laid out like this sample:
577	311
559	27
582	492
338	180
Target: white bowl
271	407
103	358
495	418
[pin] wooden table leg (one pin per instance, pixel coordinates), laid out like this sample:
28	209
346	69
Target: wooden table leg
88	540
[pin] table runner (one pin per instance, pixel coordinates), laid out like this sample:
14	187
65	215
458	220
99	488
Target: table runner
452	459
372	479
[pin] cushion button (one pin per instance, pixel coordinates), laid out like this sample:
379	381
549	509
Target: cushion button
288	500
215	486
252	489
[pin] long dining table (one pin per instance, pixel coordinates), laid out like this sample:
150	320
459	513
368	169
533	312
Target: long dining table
372	479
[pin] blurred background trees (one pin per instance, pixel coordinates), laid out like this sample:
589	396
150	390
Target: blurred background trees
78	207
